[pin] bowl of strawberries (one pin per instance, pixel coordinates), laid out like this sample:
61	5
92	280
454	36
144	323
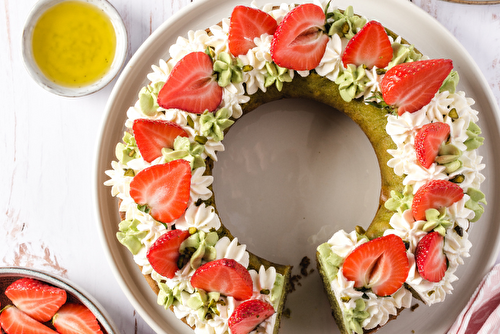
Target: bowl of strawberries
33	301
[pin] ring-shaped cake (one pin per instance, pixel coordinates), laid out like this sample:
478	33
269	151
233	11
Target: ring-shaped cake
422	130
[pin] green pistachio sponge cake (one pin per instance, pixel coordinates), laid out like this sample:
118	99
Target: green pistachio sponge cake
423	131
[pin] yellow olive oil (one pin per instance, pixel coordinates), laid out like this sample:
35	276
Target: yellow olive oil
74	43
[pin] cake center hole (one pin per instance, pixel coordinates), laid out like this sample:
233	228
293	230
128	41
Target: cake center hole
293	172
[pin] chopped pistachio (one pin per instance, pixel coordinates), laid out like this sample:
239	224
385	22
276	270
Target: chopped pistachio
458	179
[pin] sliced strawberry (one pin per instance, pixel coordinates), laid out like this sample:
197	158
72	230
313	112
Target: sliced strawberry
431	260
246	24
225	276
76	319
249	315
164	189
410	86
164	254
428	141
38	300
191	85
300	41
153	135
435	194
380	264
15	321
370	46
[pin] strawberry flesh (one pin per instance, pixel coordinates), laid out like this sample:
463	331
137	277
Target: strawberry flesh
226	276
431	260
246	24
164	254
164	188
370	46
435	194
299	42
38	300
76	319
410	86
13	321
380	264
249	315
428	141
191	85
153	135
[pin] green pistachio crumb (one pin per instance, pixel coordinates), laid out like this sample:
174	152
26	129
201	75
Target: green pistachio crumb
360	230
129	172
458	179
345	299
200	139
190	122
453	114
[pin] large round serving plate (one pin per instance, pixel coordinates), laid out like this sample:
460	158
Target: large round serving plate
295	171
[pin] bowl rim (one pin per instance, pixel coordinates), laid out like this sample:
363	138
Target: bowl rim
36	74
84	297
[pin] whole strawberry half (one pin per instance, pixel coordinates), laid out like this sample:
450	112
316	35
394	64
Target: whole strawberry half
370	46
299	42
249	315
410	86
76	319
428	141
226	276
191	86
431	260
435	194
13	321
164	254
164	188
37	299
153	135
246	24
380	264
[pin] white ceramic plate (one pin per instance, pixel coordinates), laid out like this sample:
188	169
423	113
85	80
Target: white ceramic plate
475	2
75	293
295	171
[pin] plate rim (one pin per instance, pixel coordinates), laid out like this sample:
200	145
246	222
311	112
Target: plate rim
174	19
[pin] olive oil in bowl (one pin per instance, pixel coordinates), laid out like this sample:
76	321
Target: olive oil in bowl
74	43
74	47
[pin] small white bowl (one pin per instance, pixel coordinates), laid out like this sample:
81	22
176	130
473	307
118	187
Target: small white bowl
35	72
75	294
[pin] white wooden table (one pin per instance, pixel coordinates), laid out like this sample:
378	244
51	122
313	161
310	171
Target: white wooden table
47	146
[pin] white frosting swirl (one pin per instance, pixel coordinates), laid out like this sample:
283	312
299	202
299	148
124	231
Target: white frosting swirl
219	38
381	309
257	58
343	243
197	41
231	250
201	217
405	227
200	184
160	73
119	182
471	170
331	63
402	129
